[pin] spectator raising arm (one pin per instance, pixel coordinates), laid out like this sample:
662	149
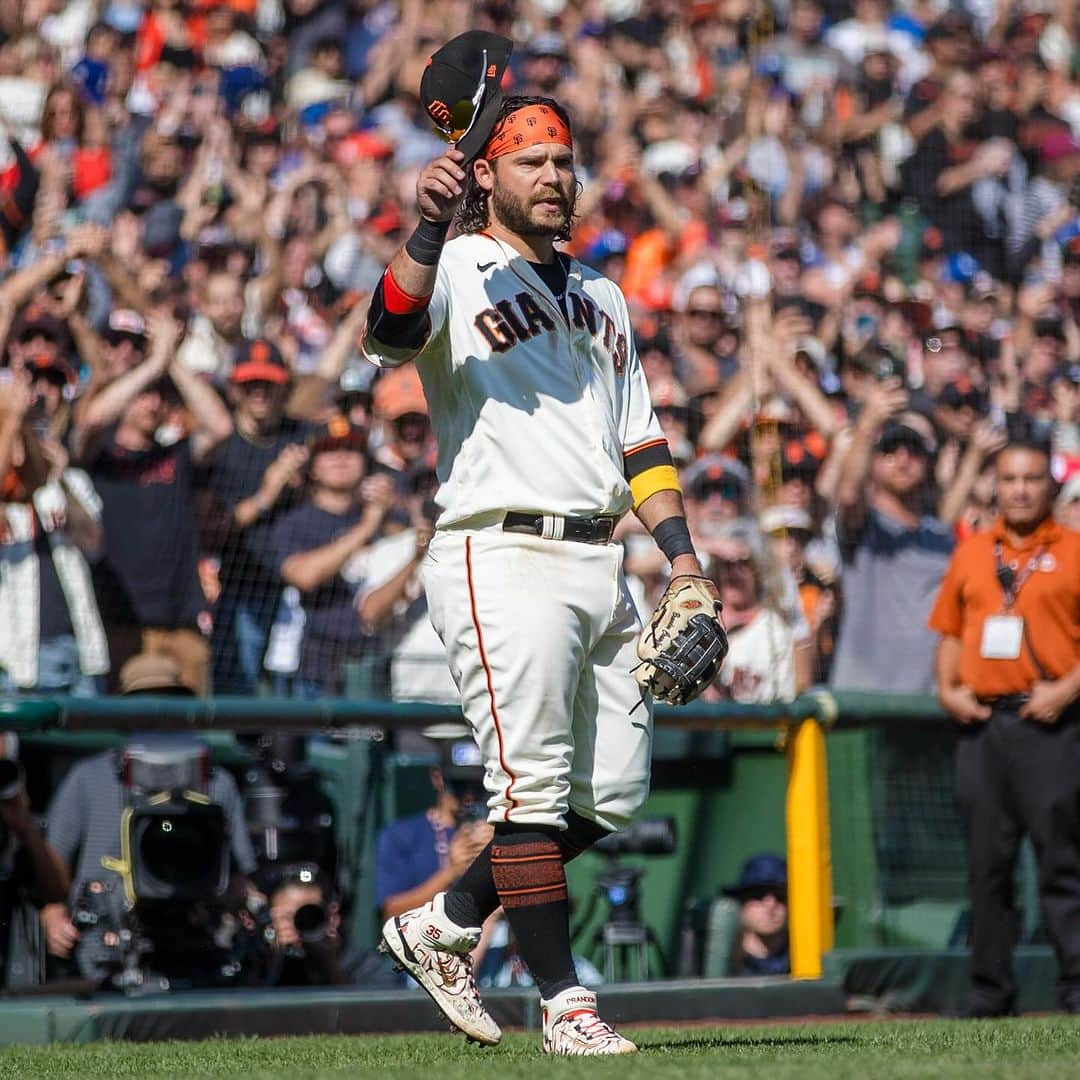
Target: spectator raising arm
213	424
378	605
991	159
728	419
212	420
22	285
986	441
309	392
82	527
780	360
109	405
14	401
884	401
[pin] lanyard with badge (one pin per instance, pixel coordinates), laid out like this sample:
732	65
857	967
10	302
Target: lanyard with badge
1003	635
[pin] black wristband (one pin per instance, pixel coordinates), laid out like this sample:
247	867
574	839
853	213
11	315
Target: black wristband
426	243
672	537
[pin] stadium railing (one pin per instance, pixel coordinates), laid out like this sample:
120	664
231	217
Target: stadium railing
801	726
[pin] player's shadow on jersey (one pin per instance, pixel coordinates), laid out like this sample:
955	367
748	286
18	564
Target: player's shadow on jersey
517	376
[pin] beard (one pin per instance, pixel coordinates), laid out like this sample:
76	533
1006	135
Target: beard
517	215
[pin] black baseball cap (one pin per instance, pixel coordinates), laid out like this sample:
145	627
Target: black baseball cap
462	763
896	434
460	88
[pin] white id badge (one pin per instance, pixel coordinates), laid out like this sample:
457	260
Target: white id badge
1002	637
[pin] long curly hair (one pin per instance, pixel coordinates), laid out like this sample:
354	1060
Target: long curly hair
472	212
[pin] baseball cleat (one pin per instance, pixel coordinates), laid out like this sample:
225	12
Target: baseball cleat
573	1028
435	952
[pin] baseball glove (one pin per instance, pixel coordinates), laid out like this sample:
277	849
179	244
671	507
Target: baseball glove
683	646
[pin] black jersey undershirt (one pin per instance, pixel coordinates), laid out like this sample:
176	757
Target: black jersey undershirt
555	276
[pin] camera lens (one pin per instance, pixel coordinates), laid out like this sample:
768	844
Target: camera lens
650	836
176	849
310	921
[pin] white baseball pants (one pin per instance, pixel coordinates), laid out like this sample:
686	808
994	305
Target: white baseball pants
540	636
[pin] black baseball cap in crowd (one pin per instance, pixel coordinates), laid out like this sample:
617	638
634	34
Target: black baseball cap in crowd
462	763
460	88
896	434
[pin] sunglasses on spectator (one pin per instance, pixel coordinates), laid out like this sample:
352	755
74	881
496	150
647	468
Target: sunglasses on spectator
893	443
52	375
728	490
971	400
745	560
704	313
802	536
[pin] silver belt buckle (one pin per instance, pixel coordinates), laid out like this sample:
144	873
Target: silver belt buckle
609	529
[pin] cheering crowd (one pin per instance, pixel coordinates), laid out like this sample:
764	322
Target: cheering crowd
849	235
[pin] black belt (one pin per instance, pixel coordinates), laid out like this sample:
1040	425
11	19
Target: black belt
593	530
1007	703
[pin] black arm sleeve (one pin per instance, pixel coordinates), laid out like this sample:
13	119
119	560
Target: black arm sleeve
399	331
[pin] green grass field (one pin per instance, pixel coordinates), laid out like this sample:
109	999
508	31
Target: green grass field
1011	1048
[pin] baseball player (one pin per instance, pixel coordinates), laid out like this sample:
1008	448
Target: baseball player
546	437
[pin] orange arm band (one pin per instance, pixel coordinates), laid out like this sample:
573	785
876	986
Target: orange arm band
397	300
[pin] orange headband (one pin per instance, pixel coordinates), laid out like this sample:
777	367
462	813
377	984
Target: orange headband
530	125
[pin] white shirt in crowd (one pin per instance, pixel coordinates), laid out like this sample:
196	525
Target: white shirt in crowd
760	666
418	667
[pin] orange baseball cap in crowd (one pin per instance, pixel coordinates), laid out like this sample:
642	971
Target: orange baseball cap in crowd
338	433
398	393
259	361
363	146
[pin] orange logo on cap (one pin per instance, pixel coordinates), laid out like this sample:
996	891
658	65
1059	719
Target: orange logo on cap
337	426
260	352
492	68
440	113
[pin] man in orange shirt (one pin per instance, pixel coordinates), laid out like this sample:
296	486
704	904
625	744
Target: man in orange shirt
1008	672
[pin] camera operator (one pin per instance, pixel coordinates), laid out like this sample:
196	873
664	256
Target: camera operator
301	926
30	869
421	855
300	923
85	824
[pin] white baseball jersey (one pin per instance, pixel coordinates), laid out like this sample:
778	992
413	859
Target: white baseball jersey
532	410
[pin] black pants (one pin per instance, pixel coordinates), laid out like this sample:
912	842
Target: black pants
1015	776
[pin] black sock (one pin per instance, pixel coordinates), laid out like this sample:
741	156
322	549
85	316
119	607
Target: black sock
579	835
527	869
472	898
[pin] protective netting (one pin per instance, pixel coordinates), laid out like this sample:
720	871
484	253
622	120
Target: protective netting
918	835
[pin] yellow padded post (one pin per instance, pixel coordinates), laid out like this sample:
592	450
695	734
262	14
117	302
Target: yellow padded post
810	917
